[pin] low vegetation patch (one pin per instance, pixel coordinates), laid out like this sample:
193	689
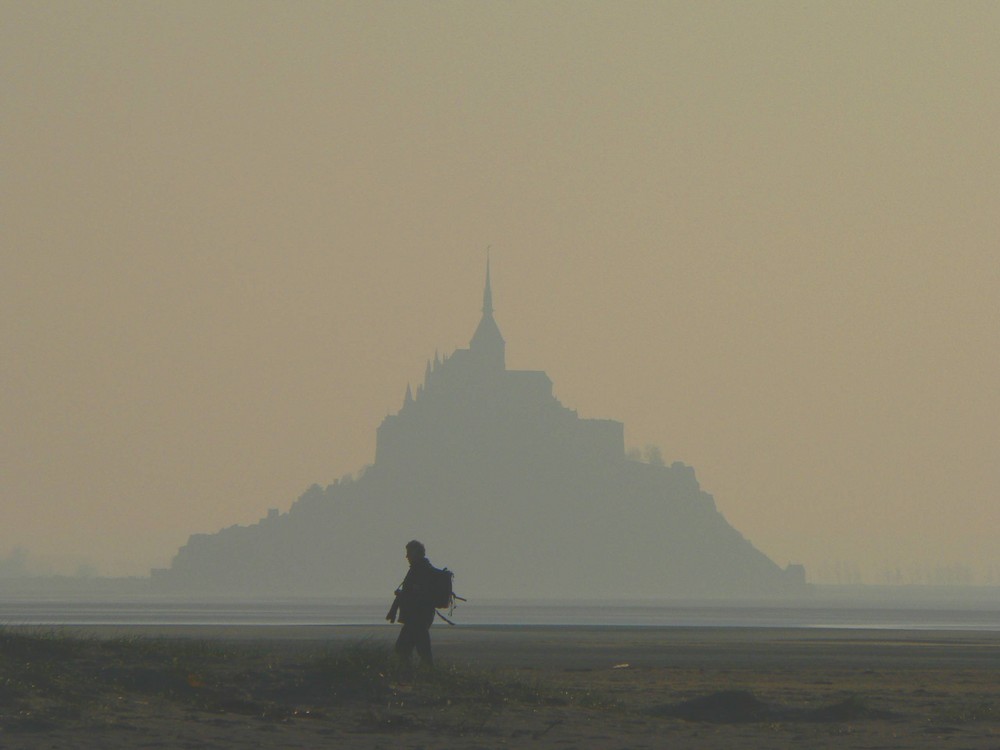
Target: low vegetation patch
49	680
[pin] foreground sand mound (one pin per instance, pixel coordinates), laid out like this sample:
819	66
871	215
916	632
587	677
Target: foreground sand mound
737	706
727	707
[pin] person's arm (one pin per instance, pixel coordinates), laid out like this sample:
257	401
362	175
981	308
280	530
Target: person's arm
403	593
409	588
391	614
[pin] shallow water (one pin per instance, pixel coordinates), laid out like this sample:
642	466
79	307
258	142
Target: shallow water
26	610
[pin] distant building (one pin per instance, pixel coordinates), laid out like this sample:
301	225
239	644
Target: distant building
510	489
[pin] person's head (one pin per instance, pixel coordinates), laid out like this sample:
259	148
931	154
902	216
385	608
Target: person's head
415	551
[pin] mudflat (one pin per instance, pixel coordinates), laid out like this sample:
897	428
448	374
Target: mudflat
539	687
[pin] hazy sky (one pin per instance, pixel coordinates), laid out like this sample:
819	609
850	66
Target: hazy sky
764	236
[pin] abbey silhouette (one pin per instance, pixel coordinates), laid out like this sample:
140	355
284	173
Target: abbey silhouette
471	409
523	496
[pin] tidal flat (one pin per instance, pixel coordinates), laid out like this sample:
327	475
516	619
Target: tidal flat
537	686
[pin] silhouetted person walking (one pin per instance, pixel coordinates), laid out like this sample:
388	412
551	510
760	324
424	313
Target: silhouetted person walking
414	606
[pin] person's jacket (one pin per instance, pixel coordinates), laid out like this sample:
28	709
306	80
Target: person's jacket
415	598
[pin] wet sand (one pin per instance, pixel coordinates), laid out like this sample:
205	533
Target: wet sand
559	687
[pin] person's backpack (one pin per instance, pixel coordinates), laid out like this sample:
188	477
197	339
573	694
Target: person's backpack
441	592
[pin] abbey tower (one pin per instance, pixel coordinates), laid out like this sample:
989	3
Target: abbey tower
471	407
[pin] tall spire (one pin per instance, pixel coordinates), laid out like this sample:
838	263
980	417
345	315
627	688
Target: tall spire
487	344
488	290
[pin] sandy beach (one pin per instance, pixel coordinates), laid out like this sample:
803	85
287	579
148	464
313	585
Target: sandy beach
539	687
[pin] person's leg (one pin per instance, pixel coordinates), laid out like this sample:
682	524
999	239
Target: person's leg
422	642
405	643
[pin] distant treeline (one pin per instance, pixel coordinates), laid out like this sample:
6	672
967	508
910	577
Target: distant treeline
957	574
